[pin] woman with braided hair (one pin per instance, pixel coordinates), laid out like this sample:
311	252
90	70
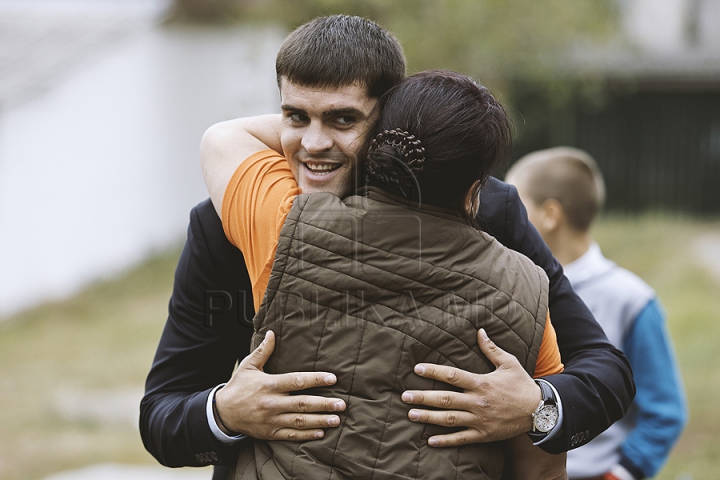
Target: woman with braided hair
438	138
369	285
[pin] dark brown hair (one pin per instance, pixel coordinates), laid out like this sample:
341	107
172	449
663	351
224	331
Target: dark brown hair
463	132
340	50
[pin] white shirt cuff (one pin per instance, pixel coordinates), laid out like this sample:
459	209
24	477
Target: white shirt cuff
558	426
219	434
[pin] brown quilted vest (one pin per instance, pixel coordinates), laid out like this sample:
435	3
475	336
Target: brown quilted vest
365	288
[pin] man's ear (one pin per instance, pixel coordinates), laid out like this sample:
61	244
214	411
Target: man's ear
553	215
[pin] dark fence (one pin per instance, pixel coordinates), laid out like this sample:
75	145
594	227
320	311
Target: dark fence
657	150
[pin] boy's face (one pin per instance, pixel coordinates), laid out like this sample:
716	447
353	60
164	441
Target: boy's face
323	130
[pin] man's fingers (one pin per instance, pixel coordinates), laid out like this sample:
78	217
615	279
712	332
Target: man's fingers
297	404
297	421
302	427
451	375
308	403
292	382
294	435
436	398
495	354
463	437
445	418
261	354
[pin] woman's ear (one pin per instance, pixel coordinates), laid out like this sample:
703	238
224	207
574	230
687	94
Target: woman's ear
472	199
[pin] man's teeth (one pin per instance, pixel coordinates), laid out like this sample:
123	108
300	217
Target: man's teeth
322	167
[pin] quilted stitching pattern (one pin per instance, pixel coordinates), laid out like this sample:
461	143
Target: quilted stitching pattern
367	289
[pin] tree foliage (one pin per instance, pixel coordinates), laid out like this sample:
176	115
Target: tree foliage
515	47
498	40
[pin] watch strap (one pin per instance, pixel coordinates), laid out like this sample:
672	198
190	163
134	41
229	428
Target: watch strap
548	396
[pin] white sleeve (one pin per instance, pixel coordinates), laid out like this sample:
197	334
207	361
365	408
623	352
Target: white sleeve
219	434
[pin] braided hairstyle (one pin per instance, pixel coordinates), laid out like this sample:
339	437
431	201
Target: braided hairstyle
395	156
438	137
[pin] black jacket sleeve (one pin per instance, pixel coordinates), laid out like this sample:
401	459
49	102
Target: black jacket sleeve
208	329
596	387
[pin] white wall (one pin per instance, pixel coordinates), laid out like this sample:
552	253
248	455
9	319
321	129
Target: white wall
103	168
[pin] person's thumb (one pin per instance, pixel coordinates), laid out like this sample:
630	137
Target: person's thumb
495	354
261	354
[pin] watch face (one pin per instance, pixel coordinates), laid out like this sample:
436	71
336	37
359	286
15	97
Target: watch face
546	418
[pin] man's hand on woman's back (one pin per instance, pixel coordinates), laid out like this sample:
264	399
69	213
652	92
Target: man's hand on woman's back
260	405
494	406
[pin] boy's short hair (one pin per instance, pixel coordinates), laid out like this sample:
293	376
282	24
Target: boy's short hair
340	50
568	175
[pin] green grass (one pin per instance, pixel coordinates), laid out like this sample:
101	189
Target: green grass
105	338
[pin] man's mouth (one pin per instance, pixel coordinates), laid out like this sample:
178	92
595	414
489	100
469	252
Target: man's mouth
321	168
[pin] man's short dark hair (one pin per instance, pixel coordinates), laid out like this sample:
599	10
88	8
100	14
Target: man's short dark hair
340	50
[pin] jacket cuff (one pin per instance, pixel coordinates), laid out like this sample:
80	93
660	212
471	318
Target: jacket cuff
206	448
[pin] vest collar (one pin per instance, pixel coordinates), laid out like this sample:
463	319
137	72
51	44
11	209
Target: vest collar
381	195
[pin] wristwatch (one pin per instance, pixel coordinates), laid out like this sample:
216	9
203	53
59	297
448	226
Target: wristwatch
546	415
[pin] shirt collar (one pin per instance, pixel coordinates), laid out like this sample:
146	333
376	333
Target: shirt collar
590	265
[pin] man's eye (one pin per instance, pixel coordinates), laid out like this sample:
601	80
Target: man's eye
297	117
345	121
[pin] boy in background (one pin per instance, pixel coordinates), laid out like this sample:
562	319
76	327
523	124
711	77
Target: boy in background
563	190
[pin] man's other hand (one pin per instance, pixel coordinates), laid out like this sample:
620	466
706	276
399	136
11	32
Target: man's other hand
493	406
259	405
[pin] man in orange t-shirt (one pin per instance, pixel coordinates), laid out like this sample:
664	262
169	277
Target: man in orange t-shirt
255	204
320	131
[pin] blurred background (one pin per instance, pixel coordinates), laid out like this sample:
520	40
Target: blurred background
102	107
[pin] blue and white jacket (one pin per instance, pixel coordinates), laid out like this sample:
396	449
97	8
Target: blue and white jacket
631	315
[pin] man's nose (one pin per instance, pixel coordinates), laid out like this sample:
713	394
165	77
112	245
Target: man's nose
316	139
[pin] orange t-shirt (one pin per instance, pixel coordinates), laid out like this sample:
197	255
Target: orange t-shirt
548	361
256	203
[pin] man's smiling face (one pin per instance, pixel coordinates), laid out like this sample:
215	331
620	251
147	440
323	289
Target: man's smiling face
323	130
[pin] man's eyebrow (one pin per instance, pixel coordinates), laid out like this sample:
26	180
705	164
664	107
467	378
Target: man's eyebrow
334	112
338	112
287	107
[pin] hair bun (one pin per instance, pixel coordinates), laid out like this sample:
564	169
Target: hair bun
390	147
